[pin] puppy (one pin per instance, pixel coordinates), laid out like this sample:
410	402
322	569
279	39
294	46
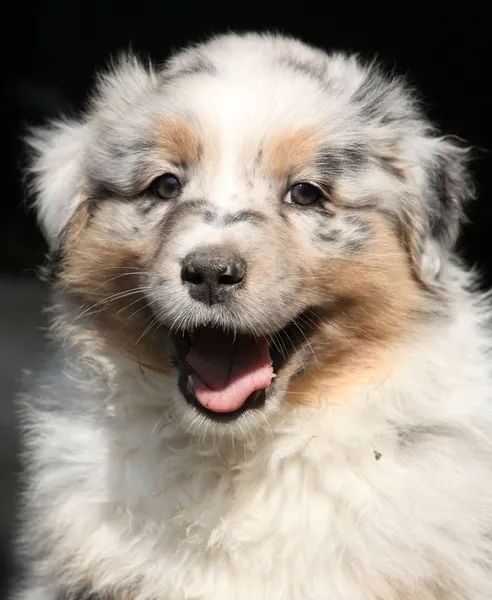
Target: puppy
271	375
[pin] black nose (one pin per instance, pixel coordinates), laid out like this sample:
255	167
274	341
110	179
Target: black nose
211	274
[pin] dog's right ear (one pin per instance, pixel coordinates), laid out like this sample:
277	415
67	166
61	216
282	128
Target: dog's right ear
55	174
59	151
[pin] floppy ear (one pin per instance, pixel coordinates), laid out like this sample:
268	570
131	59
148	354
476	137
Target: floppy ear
56	173
60	152
444	187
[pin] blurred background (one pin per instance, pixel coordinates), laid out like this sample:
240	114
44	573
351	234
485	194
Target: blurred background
52	48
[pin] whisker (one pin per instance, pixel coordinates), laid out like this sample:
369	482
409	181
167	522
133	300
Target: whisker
147	329
109	299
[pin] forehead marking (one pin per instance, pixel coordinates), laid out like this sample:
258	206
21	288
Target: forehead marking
289	151
178	141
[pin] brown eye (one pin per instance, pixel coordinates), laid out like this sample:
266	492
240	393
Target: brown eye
166	186
303	194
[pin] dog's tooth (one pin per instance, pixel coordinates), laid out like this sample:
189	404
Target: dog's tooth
190	382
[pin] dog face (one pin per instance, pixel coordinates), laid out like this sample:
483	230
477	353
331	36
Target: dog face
258	220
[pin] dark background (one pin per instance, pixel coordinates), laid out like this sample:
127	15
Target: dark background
52	49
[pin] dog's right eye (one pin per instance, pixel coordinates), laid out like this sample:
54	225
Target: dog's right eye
166	186
303	194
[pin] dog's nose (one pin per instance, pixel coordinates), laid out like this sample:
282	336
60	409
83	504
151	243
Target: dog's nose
211	274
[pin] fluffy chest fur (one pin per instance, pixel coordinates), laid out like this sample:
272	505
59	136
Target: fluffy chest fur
358	499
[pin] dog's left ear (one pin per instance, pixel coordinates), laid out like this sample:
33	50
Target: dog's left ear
444	186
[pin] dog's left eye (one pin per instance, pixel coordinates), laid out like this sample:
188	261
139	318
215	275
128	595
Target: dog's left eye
303	194
166	186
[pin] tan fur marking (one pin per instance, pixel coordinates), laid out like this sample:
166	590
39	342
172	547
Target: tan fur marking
77	224
412	250
289	152
103	273
178	141
375	307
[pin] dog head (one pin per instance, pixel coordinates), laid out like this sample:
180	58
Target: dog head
259	220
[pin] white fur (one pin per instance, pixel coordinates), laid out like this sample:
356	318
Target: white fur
59	174
301	511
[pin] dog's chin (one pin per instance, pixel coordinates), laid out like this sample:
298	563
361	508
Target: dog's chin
225	375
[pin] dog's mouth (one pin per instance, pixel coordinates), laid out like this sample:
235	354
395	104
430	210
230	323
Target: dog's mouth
224	373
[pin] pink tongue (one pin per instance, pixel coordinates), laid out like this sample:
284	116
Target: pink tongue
227	371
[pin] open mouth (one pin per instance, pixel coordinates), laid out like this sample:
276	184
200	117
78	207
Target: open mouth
225	373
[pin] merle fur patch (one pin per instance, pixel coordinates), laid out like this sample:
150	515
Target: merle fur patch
333	162
244	216
314	70
198	65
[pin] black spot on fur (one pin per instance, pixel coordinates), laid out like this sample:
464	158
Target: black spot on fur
353	240
105	190
444	191
258	157
120	152
372	97
138	147
358	235
380	98
244	216
449	188
150	204
315	70
330	237
209	217
195	208
191	208
419	434
354	245
199	65
362	226
99	190
334	162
